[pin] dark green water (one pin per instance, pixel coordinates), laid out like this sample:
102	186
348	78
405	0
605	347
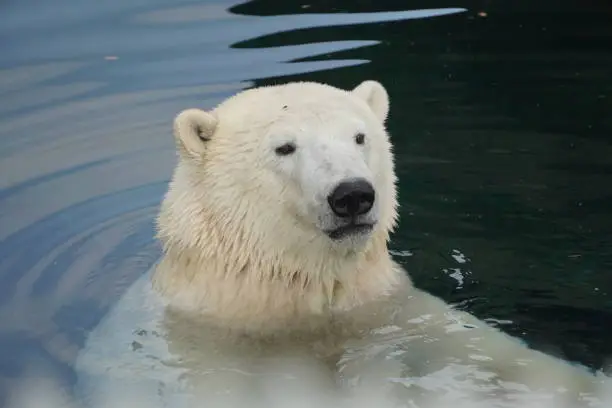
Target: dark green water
500	116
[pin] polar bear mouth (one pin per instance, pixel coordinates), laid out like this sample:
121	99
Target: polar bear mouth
349	230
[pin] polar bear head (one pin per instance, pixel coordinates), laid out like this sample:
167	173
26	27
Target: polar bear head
294	181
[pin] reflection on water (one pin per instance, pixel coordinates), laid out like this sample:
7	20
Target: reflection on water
85	153
501	125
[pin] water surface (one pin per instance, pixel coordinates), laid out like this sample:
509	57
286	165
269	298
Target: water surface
500	114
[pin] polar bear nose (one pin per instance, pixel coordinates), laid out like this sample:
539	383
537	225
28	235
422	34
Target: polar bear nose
352	198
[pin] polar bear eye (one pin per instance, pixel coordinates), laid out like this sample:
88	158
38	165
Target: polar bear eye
285	149
360	138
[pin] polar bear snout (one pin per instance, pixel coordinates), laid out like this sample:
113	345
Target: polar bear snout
352	198
351	210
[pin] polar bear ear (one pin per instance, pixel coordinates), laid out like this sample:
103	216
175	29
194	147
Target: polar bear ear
192	129
375	95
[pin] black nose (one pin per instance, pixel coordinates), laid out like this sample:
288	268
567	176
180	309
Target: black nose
351	198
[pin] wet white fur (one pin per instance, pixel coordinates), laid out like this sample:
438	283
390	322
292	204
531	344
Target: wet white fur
240	222
249	283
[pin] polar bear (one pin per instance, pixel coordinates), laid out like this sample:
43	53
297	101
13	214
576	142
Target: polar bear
275	267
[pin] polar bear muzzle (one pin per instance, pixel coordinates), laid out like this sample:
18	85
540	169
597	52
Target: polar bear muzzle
351	201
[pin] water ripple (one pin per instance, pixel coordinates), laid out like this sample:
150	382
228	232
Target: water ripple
89	92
